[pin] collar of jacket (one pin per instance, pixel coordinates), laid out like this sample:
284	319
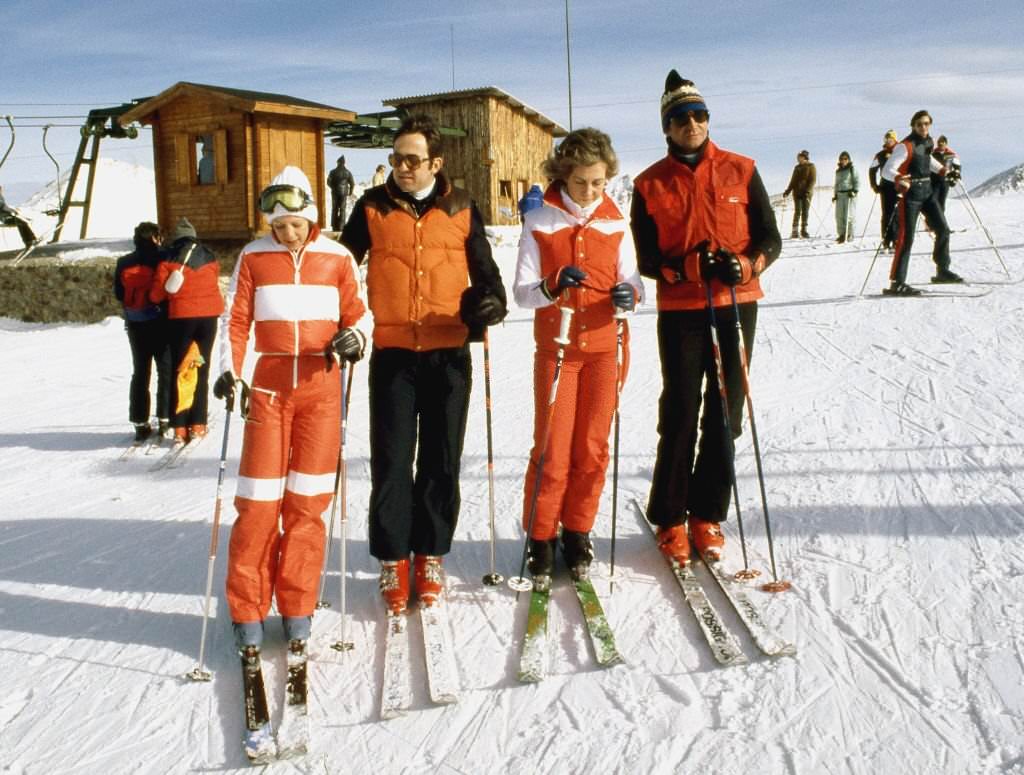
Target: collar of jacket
607	209
691	160
444	197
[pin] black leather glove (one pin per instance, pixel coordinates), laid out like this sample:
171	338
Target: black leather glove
722	265
479	308
562	278
953	176
349	344
224	386
623	297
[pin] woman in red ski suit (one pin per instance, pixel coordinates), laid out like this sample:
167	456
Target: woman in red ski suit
575	251
301	293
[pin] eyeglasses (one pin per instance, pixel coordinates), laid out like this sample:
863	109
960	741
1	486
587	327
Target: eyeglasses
700	116
410	160
291	198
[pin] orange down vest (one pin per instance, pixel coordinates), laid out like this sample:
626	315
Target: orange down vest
708	202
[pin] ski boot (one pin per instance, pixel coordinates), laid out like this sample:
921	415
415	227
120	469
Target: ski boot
394	584
293	734
578	553
142	432
673	543
707	538
428	578
897	288
258	741
541	562
945	276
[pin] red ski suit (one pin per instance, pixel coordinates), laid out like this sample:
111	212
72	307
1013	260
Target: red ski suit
296	302
598	241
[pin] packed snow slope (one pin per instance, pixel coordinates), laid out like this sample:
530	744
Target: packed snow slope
892	436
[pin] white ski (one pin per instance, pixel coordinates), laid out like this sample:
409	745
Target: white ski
396	693
442	673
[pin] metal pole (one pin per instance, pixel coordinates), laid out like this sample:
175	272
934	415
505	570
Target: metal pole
493	578
867	221
886	230
199	672
519	583
974	211
346	394
620	326
341	644
568	61
775	585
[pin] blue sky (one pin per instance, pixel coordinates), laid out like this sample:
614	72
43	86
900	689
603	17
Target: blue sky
778	77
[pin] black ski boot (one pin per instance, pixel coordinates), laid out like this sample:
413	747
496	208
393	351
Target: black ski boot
945	276
542	562
578	552
897	288
142	432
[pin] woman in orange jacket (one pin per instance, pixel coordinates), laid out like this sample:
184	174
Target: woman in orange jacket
187	279
575	251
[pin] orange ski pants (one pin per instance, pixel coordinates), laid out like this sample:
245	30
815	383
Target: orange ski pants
577	452
285	483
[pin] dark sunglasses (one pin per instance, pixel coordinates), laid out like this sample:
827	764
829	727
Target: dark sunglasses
700	116
410	160
291	198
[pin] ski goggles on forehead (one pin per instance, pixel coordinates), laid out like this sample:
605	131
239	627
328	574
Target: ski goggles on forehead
291	198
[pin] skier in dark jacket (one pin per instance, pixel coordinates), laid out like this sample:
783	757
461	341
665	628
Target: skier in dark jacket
910	168
801	186
146	324
703	224
342	184
531	200
885	189
947	157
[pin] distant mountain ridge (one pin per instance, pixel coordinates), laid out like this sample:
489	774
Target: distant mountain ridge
1007	182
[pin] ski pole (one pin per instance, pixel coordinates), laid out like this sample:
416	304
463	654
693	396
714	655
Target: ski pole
519	583
886	230
821	219
346	390
620	326
716	353
199	672
493	578
867	221
974	211
775	585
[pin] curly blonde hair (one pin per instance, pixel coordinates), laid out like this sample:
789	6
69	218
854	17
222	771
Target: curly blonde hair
581	148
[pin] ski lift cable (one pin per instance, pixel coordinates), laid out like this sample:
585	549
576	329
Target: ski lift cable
10	147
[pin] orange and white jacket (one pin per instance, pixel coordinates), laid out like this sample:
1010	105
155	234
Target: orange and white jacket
596	239
295	302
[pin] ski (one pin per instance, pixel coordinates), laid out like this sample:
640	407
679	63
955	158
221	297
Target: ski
259	742
293	733
601	636
533	659
442	674
764	637
129	452
723	643
167	459
396	693
927	293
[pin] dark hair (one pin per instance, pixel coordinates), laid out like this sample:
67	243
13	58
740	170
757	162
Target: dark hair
581	148
804	154
942	139
145	232
422	124
846	154
920	114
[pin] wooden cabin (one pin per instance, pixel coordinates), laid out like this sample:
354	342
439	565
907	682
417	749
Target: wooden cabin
504	145
215	149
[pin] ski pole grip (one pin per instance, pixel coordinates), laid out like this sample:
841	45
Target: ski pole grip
563	328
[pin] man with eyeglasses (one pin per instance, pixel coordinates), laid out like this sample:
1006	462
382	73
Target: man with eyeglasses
433	287
705	230
910	168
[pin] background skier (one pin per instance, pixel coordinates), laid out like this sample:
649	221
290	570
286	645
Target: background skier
844	195
801	186
885	189
947	157
146	325
341	183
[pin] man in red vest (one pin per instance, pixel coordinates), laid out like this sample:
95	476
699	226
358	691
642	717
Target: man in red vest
701	220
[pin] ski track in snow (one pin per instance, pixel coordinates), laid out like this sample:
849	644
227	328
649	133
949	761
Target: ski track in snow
893	450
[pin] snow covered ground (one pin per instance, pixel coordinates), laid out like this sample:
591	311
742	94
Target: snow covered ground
892	434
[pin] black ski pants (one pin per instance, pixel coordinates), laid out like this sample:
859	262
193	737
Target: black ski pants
182	332
887	194
338	202
418	407
919	200
801	209
148	341
693	469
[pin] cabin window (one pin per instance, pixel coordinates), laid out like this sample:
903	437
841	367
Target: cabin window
206	160
505	189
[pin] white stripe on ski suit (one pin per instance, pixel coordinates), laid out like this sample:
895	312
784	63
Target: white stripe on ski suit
271	489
